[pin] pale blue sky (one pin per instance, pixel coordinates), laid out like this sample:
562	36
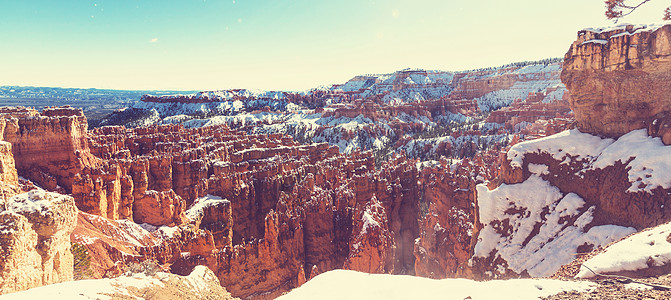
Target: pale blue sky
276	44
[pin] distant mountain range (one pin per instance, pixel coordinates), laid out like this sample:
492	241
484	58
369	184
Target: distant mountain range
75	94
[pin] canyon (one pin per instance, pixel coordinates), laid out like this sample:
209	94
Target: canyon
481	174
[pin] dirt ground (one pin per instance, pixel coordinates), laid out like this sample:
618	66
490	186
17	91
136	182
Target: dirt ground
611	288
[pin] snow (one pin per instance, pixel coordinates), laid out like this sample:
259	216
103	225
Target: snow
132	232
368	221
538	68
648	248
121	230
196	210
647	159
651	164
368	218
449	118
538	169
349	134
555	95
570	142
123	287
37	200
198	278
537	78
427	164
6	229
223	106
623	26
166	232
536	206
86	289
227	95
601	42
329	285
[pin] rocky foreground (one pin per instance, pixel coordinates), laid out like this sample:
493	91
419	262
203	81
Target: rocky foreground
267	211
200	284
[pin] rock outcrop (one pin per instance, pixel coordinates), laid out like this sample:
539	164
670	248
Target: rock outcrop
448	227
371	243
48	148
35	232
264	212
576	191
141	281
620	79
572	188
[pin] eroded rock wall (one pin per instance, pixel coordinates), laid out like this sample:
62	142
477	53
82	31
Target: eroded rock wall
35	232
620	79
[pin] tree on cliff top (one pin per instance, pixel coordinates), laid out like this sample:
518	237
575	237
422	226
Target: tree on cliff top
616	9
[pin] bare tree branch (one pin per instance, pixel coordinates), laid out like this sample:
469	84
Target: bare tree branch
625	279
614	8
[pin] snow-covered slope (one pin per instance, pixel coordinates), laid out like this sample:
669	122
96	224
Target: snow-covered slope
342	284
647	159
577	187
200	284
646	249
366	112
535	228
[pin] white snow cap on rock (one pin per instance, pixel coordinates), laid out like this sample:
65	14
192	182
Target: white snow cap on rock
647	159
524	207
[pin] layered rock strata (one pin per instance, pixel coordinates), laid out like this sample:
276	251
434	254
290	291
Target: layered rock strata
35	232
264	213
619	79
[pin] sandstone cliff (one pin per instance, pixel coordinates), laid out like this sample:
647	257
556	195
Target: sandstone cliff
35	232
138	283
48	148
263	212
619	79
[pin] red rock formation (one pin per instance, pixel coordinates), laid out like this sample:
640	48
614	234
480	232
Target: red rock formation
371	244
9	179
448	228
289	217
159	208
35	232
619	78
48	149
528	112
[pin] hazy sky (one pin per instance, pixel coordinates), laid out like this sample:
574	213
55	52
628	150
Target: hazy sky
276	44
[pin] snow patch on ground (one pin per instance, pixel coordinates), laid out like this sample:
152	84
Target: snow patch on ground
646	158
196	210
87	289
527	224
649	248
123	287
34	201
570	142
651	164
329	285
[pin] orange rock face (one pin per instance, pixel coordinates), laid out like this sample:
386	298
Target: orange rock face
371	244
264	213
159	208
9	179
449	226
35	232
48	149
620	79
